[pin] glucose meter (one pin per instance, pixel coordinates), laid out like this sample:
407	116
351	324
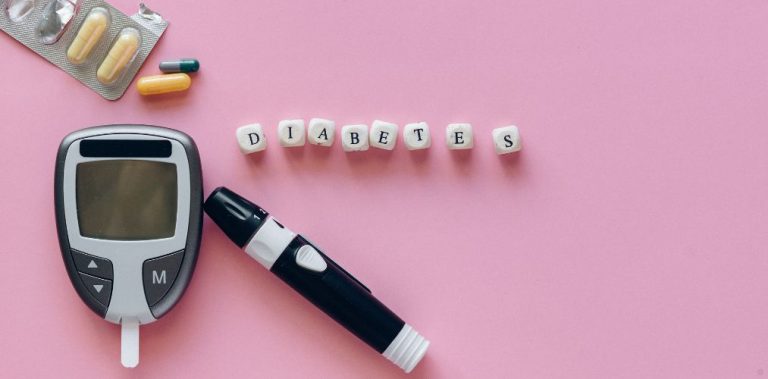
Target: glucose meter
129	217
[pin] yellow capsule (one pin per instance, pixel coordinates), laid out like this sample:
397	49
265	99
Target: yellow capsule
120	56
89	35
159	84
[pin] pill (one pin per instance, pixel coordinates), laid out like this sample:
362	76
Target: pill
416	136
181	65
354	137
89	35
120	56
459	136
159	84
321	131
251	138
291	133
383	135
506	139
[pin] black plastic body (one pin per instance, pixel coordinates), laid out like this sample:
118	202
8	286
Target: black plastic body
194	230
235	215
341	296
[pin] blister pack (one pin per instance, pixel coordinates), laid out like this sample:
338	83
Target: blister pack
91	40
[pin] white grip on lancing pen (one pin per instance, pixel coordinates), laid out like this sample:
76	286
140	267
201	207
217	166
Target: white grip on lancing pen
407	349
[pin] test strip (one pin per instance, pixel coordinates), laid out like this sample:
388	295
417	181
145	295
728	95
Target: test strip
129	343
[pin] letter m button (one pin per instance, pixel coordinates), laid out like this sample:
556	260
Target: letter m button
159	274
158	279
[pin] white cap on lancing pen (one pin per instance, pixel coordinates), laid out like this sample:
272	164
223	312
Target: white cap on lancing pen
407	349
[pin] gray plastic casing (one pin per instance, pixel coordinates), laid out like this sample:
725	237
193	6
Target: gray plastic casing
128	300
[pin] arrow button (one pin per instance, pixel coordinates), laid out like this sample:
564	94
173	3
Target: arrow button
99	288
92	265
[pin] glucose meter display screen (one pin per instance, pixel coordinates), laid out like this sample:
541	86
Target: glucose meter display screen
126	200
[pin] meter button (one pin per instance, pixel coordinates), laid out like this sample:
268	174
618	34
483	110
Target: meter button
100	289
310	259
159	274
92	265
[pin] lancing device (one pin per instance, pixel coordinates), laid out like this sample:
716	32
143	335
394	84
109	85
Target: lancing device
319	279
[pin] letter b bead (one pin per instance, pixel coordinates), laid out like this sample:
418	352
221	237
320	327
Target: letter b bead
354	137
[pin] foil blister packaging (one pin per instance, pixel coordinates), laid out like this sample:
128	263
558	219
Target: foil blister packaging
108	53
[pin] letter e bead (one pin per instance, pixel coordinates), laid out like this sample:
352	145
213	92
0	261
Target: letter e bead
383	135
459	136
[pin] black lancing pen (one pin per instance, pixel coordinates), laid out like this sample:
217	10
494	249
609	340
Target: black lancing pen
316	277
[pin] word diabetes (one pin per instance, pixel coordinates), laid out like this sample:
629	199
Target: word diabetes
381	135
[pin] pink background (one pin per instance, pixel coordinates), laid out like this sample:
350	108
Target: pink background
627	239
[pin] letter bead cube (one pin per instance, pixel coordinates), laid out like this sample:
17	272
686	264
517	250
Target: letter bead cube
416	136
251	138
459	136
291	133
354	137
321	132
506	139
383	135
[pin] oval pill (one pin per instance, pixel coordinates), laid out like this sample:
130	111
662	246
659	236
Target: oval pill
89	35
159	84
181	65
120	56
